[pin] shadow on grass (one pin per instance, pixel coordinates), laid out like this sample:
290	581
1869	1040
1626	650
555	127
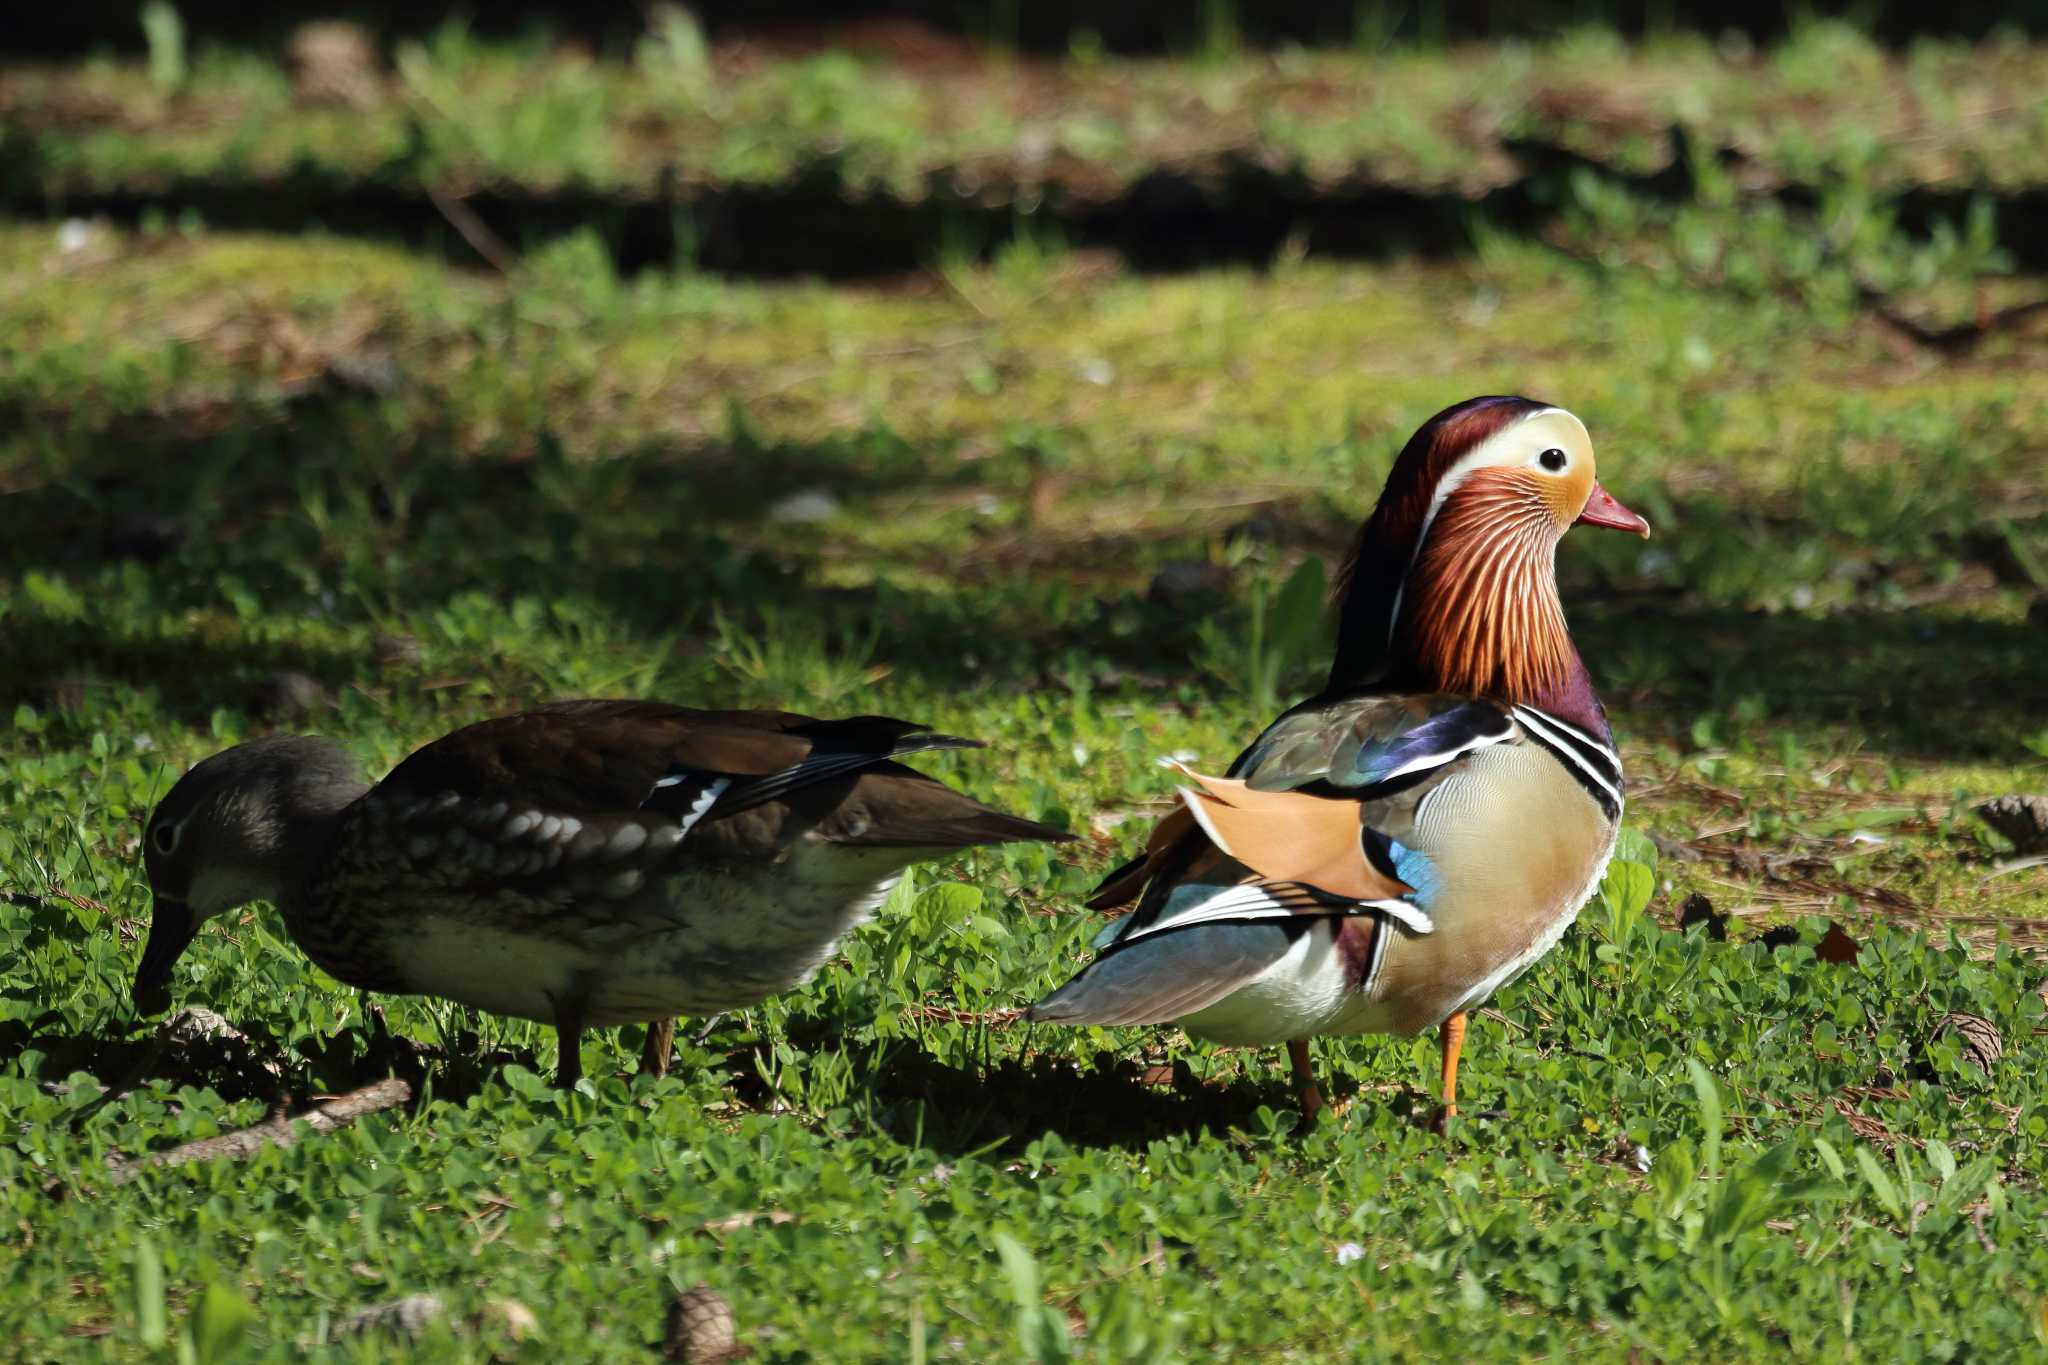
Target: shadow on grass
196	547
1910	684
953	1109
192	566
1116	1102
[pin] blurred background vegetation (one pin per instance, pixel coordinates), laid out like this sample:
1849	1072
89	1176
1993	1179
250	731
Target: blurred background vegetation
1052	27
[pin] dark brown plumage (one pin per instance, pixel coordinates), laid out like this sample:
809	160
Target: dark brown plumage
585	863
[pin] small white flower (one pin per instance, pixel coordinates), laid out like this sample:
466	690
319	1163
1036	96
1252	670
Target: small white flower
1347	1252
74	236
1081	755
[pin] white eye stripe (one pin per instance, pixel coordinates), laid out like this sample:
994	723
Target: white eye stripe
1488	453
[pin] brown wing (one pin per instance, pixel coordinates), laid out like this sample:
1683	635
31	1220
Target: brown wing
738	784
593	757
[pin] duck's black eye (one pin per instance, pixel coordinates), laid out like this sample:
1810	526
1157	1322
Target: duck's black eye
1552	459
166	837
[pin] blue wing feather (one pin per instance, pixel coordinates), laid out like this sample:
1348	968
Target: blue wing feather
1359	742
1431	744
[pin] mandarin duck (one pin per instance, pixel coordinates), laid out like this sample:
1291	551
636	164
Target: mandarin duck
581	864
1394	850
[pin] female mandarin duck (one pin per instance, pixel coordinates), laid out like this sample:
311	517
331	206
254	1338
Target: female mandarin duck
1390	853
582	864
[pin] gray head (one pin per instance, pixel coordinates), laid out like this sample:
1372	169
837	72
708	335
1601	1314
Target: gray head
243	825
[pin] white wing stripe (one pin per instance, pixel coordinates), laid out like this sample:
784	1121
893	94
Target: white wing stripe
1378	961
1424	762
1192	799
1412	919
704	802
1256	901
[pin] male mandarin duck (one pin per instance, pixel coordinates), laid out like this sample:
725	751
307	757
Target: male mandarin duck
1391	852
582	864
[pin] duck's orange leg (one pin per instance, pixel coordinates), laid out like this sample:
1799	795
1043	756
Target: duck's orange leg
1452	1036
1305	1079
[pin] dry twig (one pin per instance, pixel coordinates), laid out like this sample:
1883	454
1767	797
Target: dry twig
474	230
276	1131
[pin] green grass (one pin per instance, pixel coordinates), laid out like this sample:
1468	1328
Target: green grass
459	113
562	482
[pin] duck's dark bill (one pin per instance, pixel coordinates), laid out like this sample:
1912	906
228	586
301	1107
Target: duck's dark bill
171	928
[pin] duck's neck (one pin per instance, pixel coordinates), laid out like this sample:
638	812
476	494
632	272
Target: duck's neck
306	846
285	846
1479	615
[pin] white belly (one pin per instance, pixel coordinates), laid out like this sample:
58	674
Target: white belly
1306	991
1303	993
701	941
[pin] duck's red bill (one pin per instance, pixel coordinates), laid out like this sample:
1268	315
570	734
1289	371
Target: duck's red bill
1604	509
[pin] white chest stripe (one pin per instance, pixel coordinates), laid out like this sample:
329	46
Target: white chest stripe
1595	764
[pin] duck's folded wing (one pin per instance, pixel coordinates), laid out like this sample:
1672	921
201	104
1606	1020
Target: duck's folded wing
593	797
1364	742
1164	847
1304	806
1292	838
1237	858
1163	979
601	757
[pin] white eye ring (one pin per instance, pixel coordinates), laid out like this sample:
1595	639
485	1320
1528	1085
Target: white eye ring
165	836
